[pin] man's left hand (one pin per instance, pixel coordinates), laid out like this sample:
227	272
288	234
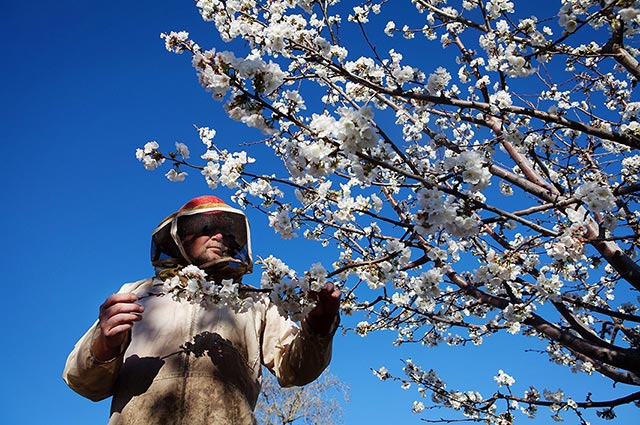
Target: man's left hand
323	315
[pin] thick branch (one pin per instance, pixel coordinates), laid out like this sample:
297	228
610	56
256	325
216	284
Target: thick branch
615	48
583	405
607	312
627	359
577	325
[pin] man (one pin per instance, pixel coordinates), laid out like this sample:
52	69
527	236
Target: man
170	361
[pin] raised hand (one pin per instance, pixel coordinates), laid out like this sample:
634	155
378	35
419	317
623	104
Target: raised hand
117	315
322	317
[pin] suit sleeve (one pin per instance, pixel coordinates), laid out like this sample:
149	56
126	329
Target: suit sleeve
88	376
294	354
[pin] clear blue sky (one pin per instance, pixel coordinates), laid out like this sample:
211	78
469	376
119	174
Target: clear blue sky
84	85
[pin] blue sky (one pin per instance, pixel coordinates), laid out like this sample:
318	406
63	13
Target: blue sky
84	85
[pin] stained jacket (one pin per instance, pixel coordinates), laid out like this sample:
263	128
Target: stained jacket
189	365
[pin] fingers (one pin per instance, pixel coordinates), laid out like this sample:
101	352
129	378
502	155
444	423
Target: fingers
118	314
118	298
322	317
118	323
327	301
333	289
331	293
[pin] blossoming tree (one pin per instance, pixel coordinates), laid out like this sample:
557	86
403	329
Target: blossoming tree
316	403
478	175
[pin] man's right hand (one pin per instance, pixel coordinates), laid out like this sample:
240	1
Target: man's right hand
117	315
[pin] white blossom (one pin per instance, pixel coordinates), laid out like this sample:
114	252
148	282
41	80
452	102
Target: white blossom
417	407
175	41
281	223
390	28
150	156
175	176
206	135
182	150
363	328
438	81
596	195
503	379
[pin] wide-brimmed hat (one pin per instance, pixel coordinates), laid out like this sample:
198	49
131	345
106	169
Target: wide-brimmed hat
200	216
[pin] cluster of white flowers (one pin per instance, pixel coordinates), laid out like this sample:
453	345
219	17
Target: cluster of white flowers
554	396
496	7
402	75
206	135
361	13
347	205
515	64
500	99
289	292
495	272
367	68
631	128
317	157
290	101
427	287
596	195
503	379
469	4
549	287
560	357
191	284
378	276
569	246
562	99
473	169
363	328
437	213
630	15
432	214
150	156
631	169
417	407
429	380
353	132
175	175
280	222
224	167
218	70
567	18
175	41
631	111
263	189
438	81
515	314
390	28
315	279
182	150
280	31
382	373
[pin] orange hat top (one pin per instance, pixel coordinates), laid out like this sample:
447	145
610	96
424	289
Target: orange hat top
203	202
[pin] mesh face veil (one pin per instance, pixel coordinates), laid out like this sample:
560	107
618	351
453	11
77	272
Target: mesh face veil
205	215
